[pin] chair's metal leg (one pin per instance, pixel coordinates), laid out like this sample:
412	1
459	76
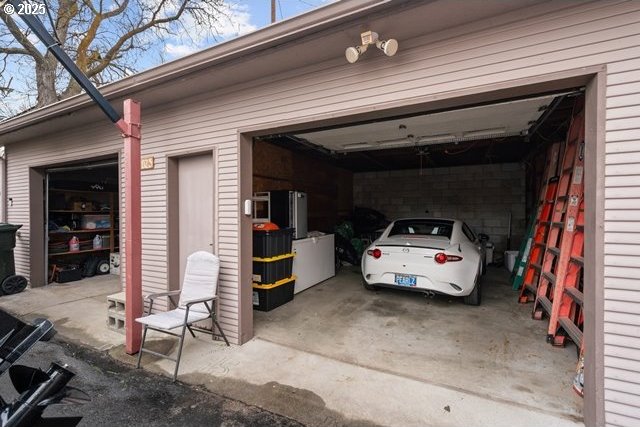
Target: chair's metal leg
144	336
175	373
191	331
221	332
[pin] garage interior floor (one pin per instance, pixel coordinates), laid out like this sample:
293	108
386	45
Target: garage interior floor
495	350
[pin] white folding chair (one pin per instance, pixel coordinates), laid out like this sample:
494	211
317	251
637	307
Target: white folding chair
197	303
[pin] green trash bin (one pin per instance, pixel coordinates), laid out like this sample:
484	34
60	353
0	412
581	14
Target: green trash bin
10	283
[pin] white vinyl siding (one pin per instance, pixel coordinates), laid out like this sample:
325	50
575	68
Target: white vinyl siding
546	38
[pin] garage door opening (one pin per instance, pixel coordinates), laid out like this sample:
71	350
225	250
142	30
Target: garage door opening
82	221
483	165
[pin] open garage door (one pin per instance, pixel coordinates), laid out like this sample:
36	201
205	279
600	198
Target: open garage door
433	187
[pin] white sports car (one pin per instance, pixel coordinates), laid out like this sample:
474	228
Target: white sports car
429	255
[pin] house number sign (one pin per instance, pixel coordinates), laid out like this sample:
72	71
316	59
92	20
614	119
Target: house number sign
147	163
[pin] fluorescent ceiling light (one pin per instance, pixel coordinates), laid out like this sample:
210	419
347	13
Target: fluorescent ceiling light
393	142
443	137
356	145
484	133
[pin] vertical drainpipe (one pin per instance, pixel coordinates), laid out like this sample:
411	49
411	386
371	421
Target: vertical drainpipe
3	185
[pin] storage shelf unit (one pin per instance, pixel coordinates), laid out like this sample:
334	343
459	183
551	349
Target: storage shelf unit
65	210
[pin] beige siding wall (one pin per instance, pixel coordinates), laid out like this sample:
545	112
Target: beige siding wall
528	43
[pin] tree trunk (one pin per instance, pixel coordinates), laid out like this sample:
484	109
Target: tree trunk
72	89
46	81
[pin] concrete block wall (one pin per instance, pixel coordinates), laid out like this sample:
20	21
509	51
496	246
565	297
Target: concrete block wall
482	195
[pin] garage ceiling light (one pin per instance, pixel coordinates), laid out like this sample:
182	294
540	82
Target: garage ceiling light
446	137
485	133
357	146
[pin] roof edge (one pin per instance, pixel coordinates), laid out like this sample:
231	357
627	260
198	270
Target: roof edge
256	41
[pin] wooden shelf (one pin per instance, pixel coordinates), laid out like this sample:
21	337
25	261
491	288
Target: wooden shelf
60	190
81	211
95	230
80	252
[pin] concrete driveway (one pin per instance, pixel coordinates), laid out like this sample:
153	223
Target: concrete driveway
339	355
121	395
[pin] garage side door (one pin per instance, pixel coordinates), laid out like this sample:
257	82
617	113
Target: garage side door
195	206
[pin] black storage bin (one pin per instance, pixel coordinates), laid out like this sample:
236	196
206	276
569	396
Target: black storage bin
7	243
270	243
69	273
272	270
268	297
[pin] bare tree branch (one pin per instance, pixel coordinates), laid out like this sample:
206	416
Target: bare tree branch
14	51
105	39
153	22
21	37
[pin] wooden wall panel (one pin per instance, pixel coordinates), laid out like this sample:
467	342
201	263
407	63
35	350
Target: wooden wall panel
329	188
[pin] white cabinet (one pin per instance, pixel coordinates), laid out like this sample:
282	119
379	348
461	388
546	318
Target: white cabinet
314	261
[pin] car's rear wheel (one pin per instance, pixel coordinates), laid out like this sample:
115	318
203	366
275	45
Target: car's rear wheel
368	286
474	297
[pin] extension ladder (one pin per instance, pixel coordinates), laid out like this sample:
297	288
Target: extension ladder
558	294
531	270
517	275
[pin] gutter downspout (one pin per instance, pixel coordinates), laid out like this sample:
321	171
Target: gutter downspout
3	185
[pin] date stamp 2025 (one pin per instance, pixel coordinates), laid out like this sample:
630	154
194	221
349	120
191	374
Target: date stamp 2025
23	8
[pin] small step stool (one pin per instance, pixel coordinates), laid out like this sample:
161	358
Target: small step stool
115	312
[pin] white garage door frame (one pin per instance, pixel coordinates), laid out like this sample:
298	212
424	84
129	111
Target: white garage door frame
593	79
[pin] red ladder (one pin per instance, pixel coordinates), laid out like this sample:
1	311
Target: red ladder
567	314
545	207
558	290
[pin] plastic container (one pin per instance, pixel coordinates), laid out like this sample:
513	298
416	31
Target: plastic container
489	251
271	243
510	259
7	243
272	270
68	273
92	222
268	297
74	244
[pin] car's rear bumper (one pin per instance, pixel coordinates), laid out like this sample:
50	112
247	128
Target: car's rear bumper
424	284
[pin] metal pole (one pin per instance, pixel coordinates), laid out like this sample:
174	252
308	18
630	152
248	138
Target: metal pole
133	227
273	11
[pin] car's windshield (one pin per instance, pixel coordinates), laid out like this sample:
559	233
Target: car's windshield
422	227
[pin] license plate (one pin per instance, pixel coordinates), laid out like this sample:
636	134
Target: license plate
406	280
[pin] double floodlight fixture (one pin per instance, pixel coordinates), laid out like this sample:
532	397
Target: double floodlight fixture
389	47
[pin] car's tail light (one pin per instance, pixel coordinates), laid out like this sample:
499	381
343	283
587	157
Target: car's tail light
376	253
441	258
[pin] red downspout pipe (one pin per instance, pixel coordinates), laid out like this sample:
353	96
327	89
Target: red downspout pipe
130	127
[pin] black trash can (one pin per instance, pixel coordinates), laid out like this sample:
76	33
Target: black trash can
9	282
